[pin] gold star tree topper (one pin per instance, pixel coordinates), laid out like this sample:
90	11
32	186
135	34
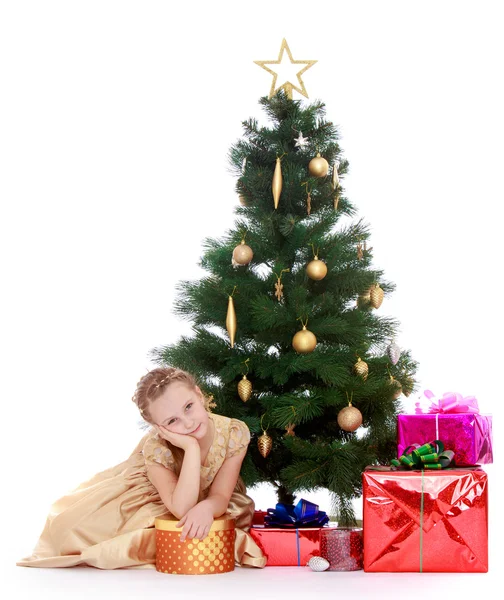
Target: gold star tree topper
287	84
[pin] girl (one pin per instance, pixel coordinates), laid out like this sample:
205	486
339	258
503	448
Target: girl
186	467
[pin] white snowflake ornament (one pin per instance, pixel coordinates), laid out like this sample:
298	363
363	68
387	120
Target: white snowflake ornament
301	141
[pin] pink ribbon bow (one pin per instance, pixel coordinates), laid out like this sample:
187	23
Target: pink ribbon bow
450	402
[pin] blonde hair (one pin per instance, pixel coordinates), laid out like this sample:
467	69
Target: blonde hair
152	385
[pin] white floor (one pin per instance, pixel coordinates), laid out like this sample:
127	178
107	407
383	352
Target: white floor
271	582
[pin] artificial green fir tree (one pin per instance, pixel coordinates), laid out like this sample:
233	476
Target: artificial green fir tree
296	396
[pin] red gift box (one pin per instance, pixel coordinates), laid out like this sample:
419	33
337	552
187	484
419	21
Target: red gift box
258	518
287	547
425	521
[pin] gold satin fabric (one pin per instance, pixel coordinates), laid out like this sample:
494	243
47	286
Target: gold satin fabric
108	522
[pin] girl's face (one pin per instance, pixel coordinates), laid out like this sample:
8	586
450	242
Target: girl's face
180	409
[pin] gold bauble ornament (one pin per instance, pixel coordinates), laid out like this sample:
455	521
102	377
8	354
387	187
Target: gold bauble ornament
318	166
245	389
264	443
304	341
231	321
316	269
276	186
376	296
349	418
361	368
242	254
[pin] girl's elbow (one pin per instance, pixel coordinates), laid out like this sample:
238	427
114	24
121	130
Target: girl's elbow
179	510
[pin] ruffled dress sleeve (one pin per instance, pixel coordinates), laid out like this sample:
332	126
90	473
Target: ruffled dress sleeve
156	452
239	438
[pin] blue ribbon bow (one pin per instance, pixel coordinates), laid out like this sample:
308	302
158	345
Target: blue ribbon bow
288	516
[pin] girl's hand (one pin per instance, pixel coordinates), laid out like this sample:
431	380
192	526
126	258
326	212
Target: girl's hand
196	522
177	439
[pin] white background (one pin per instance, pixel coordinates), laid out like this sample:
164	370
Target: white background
115	123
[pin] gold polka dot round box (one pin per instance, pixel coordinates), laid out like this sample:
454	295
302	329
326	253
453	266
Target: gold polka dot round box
213	555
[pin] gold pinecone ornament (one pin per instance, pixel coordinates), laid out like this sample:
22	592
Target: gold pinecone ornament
361	368
242	254
264	443
304	341
318	166
349	418
245	389
376	296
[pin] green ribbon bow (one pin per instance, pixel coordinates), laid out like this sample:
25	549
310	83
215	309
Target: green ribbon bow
428	456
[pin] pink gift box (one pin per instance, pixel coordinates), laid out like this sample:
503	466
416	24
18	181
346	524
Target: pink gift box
469	435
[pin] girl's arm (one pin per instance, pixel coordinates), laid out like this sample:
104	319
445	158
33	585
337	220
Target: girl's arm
186	492
198	520
180	494
224	484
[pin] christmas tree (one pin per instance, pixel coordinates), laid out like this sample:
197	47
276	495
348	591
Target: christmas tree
287	332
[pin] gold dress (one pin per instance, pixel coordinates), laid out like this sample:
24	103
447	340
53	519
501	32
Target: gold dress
108	521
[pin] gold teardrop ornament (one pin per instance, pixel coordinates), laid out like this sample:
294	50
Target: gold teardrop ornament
244	389
242	254
376	296
318	166
336	198
361	368
264	443
276	186
304	341
335	177
231	321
